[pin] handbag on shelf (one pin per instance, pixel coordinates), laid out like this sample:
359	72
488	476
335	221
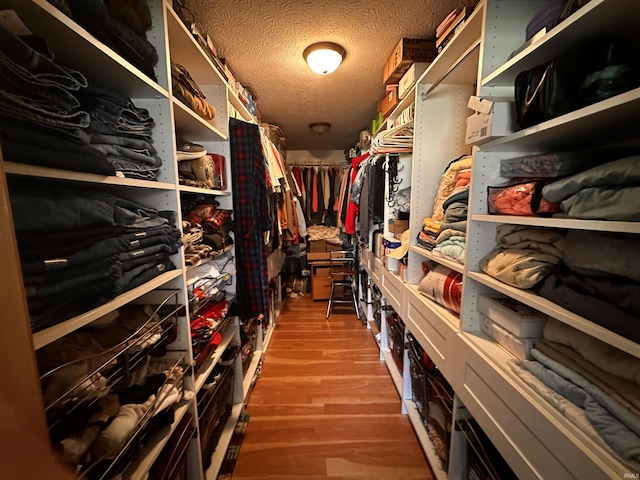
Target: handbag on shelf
550	90
573	80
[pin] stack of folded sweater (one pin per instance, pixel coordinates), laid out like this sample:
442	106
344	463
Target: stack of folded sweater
593	274
187	91
447	224
80	249
610	191
594	385
451	240
599	280
524	255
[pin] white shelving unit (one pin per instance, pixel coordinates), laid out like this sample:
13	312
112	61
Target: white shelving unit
77	48
525	428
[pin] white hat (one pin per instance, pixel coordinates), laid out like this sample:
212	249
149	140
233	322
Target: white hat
401	251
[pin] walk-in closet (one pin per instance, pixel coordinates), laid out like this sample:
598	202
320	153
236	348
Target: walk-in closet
320	240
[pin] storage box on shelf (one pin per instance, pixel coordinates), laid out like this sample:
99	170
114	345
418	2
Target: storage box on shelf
407	51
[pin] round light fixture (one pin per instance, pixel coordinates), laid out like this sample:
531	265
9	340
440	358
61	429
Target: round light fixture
320	128
324	57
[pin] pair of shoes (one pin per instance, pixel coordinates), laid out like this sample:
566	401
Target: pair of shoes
190	151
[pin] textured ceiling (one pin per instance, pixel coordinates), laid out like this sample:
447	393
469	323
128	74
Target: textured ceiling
263	43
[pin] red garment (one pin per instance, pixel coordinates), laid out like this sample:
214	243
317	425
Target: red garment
314	199
352	208
297	173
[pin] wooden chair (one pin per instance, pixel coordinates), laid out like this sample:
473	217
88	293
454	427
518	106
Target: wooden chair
343	280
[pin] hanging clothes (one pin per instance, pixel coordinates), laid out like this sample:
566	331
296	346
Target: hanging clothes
363	205
251	218
376	192
352	207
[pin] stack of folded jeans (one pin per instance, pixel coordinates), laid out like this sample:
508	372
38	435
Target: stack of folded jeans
80	249
40	115
122	132
120	24
187	91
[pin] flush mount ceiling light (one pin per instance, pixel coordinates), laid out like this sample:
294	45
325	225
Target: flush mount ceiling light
319	128
324	57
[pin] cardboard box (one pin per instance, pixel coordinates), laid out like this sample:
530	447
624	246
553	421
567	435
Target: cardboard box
333	247
410	78
389	102
492	119
407	51
315	256
317	246
398	226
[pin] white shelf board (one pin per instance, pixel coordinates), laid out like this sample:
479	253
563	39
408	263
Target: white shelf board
559	313
139	470
75	47
267	339
51	334
203	191
12	168
573	223
210	363
396	376
597	123
463	72
223	443
441	259
200	66
240	107
466	41
248	378
442	312
192	126
598	17
425	442
409	98
186	51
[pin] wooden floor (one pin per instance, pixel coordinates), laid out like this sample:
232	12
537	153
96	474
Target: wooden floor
325	405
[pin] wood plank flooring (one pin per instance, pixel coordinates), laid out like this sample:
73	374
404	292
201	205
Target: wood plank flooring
325	406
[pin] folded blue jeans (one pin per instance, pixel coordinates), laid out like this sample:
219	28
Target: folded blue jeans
128	142
34	146
42	67
19	107
143	156
56	209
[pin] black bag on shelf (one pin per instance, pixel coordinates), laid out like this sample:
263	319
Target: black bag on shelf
593	72
551	89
